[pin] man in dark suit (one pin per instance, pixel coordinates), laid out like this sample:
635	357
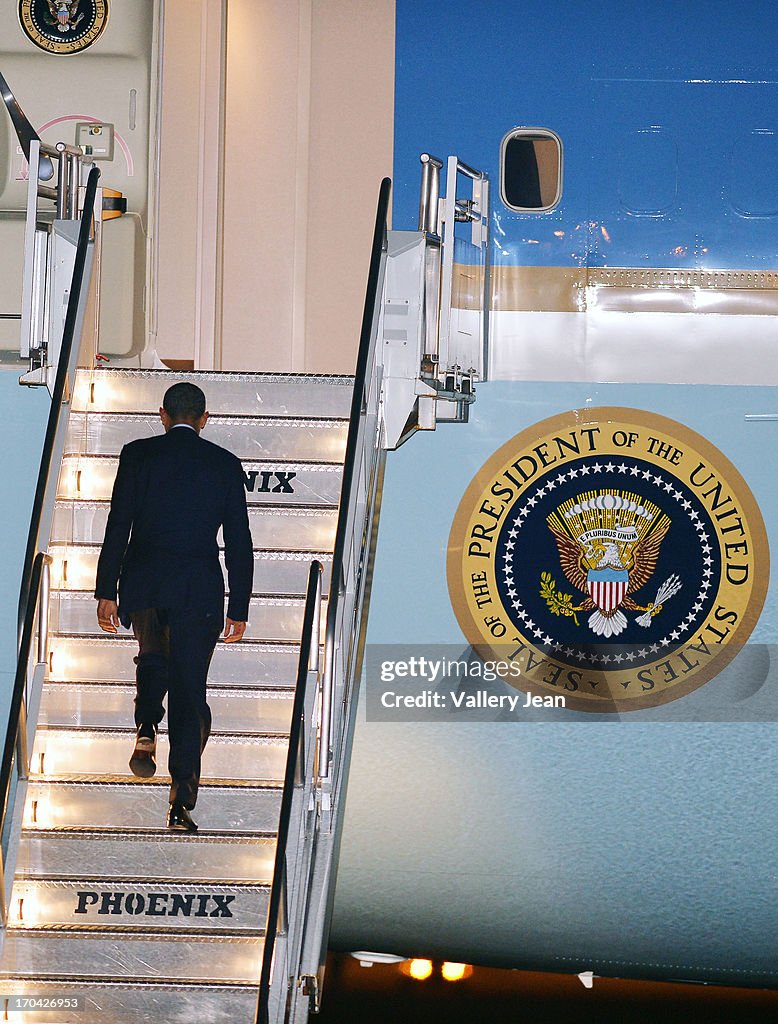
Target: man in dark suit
172	493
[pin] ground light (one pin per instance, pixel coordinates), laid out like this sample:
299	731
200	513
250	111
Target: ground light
455	972
419	970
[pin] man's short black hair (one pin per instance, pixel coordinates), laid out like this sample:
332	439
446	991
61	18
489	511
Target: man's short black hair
184	401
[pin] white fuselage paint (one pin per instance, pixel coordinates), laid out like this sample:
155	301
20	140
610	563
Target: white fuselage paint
662	348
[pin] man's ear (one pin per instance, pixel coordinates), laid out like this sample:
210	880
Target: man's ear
164	417
204	419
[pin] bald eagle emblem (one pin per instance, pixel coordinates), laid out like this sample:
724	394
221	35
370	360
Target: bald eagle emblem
608	543
64	16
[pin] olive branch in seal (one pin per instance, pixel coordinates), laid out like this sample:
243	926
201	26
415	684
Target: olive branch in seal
558	603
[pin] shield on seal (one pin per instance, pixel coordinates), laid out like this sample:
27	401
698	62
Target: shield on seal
607	587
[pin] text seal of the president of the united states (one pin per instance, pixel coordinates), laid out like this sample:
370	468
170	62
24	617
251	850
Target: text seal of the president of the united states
616	555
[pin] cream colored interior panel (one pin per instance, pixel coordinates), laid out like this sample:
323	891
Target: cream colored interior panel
122	279
112	81
11	241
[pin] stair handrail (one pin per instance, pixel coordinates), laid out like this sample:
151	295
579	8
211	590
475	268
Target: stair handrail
291	976
36	561
63	388
367	351
307	678
16	741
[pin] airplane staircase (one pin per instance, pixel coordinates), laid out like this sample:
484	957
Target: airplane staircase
99	903
107	905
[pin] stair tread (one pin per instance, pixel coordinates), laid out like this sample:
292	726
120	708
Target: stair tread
272	617
138	905
104	753
269	554
125	931
94	704
259	692
308	511
236	375
103	958
254	738
184	884
91	782
159	833
172	984
319	465
129	390
127	638
269	483
160	779
259	598
221	417
74	803
302	527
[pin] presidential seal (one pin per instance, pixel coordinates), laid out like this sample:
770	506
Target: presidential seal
63	27
617	557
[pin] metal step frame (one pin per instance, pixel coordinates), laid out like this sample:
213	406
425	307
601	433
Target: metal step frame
100	888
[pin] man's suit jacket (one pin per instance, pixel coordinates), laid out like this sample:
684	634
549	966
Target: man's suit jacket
172	493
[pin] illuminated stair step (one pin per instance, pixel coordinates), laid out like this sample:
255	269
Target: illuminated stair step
270	618
275	572
137	905
164	855
98	753
278	528
106	706
74	659
109	956
143	805
310	439
241	394
147	1002
91	477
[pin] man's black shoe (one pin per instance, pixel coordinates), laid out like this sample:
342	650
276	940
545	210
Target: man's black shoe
179	819
142	762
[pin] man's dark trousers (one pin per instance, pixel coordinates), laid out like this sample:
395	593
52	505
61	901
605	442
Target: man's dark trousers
175	651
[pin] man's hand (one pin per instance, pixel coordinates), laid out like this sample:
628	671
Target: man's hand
108	616
233	631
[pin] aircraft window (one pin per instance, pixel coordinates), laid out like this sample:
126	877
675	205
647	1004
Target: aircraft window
753	162
531	170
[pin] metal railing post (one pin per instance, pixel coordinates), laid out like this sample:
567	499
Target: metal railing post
3	908
74	183
430	193
315	654
62	182
43	611
325	724
22	748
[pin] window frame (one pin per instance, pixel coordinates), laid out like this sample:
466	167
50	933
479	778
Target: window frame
522	131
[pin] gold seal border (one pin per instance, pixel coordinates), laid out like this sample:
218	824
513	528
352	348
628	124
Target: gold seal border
63	49
598	416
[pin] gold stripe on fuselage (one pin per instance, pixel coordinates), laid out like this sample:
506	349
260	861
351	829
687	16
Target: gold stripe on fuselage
619	289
